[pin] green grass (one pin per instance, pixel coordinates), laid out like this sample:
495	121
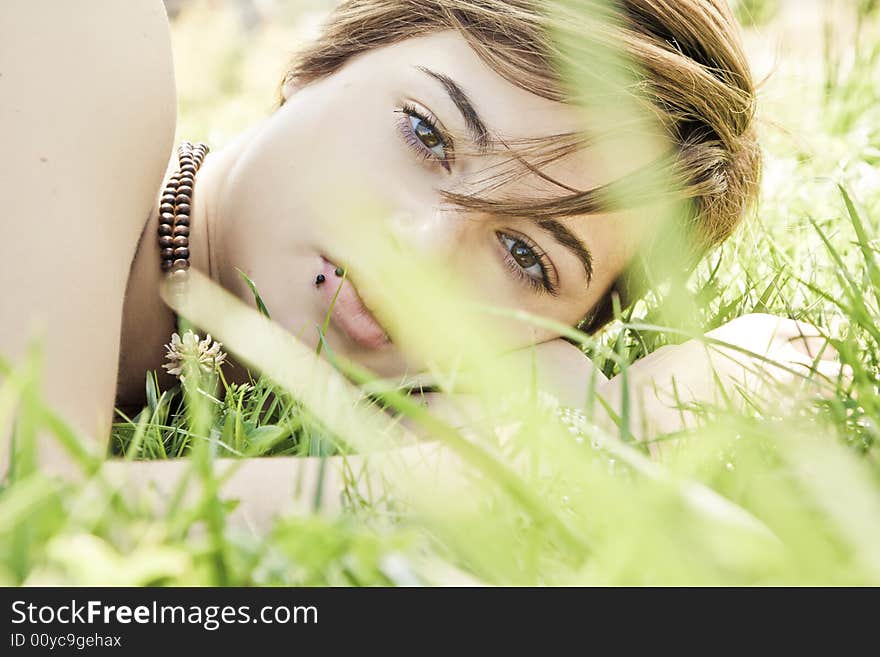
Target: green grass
756	493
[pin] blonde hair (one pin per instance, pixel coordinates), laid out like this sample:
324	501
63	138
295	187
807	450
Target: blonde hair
693	75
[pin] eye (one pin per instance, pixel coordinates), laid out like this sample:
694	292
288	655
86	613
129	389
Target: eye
528	262
427	134
422	134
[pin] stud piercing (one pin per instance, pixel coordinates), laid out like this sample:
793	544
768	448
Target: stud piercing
339	271
319	279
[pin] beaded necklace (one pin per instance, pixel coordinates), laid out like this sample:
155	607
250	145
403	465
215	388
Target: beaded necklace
174	211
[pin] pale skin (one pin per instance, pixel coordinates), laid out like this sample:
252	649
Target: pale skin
89	149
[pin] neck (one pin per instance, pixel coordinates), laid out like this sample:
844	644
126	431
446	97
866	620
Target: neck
147	323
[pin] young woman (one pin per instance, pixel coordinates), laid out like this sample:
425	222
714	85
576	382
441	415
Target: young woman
451	114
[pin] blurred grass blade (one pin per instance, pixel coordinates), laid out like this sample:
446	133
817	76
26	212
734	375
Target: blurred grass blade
257	298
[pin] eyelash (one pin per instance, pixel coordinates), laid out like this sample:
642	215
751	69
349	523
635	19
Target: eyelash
416	144
542	286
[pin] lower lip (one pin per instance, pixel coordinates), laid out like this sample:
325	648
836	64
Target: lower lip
349	314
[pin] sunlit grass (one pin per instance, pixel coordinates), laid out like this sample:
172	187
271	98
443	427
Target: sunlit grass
760	492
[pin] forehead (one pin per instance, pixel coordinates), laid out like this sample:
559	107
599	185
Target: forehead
514	112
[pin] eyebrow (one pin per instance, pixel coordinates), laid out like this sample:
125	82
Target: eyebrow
475	125
570	241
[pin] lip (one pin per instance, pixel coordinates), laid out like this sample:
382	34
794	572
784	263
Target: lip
349	313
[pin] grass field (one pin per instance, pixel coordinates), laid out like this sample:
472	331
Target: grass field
763	493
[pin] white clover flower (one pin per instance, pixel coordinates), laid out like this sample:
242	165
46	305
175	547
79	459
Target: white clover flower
205	354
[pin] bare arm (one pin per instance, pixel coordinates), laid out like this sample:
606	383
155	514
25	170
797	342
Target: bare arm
664	383
87	111
749	355
266	488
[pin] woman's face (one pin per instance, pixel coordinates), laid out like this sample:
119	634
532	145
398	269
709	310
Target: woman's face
400	124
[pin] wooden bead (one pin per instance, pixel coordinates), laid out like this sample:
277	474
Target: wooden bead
174	212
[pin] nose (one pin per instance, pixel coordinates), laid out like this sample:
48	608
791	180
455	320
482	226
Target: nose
434	232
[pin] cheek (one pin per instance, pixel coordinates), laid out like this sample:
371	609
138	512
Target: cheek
288	176
317	161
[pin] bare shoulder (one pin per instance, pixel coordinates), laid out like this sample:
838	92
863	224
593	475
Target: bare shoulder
87	114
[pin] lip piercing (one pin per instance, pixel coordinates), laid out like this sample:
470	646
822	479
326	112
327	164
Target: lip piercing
319	279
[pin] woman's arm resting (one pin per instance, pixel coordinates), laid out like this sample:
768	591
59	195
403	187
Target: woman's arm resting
672	377
86	123
763	350
266	488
